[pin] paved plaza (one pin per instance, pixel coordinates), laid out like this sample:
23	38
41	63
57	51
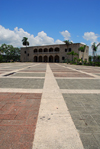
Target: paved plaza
49	106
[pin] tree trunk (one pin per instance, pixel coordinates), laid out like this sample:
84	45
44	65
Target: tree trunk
72	58
82	57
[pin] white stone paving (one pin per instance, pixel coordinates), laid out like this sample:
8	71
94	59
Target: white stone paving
55	128
18	90
67	78
73	91
23	77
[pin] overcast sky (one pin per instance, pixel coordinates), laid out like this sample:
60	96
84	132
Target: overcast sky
46	22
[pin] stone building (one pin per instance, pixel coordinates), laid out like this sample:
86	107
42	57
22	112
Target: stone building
53	53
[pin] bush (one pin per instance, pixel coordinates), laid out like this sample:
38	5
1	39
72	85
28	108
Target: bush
1	58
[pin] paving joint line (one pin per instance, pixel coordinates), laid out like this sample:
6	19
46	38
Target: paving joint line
58	129
17	90
73	91
1	75
23	77
80	78
90	74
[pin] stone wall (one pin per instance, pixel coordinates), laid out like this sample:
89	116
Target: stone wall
52	53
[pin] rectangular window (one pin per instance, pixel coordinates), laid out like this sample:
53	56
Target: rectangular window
63	58
25	52
69	49
28	54
65	50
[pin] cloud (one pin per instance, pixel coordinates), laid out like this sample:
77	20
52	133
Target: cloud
59	42
83	43
65	34
90	36
14	37
91	51
98	49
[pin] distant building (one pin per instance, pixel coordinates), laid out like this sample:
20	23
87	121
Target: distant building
52	53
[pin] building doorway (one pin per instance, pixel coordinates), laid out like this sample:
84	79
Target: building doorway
57	59
45	58
51	58
40	58
35	58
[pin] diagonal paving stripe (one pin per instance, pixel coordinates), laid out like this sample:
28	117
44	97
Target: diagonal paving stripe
55	128
73	78
90	74
16	70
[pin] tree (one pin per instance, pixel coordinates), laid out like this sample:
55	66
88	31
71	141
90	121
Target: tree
9	52
82	49
75	59
72	53
67	42
3	48
98	57
25	42
94	48
90	58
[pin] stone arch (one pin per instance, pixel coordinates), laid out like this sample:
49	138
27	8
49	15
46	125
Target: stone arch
50	58
57	49
45	50
40	50
40	58
35	50
35	58
51	50
45	58
57	59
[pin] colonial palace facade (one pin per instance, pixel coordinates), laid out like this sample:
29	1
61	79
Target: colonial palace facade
53	53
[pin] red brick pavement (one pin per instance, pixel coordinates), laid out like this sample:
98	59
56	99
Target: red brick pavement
75	74
18	118
62	70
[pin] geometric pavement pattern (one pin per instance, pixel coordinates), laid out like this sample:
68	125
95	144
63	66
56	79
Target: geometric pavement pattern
21	90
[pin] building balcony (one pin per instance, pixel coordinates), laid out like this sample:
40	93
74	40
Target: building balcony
54	52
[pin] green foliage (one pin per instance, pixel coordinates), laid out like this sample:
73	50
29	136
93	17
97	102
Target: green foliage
90	58
67	42
72	53
85	62
97	63
1	58
75	59
94	48
79	61
25	42
8	53
98	57
82	49
90	63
